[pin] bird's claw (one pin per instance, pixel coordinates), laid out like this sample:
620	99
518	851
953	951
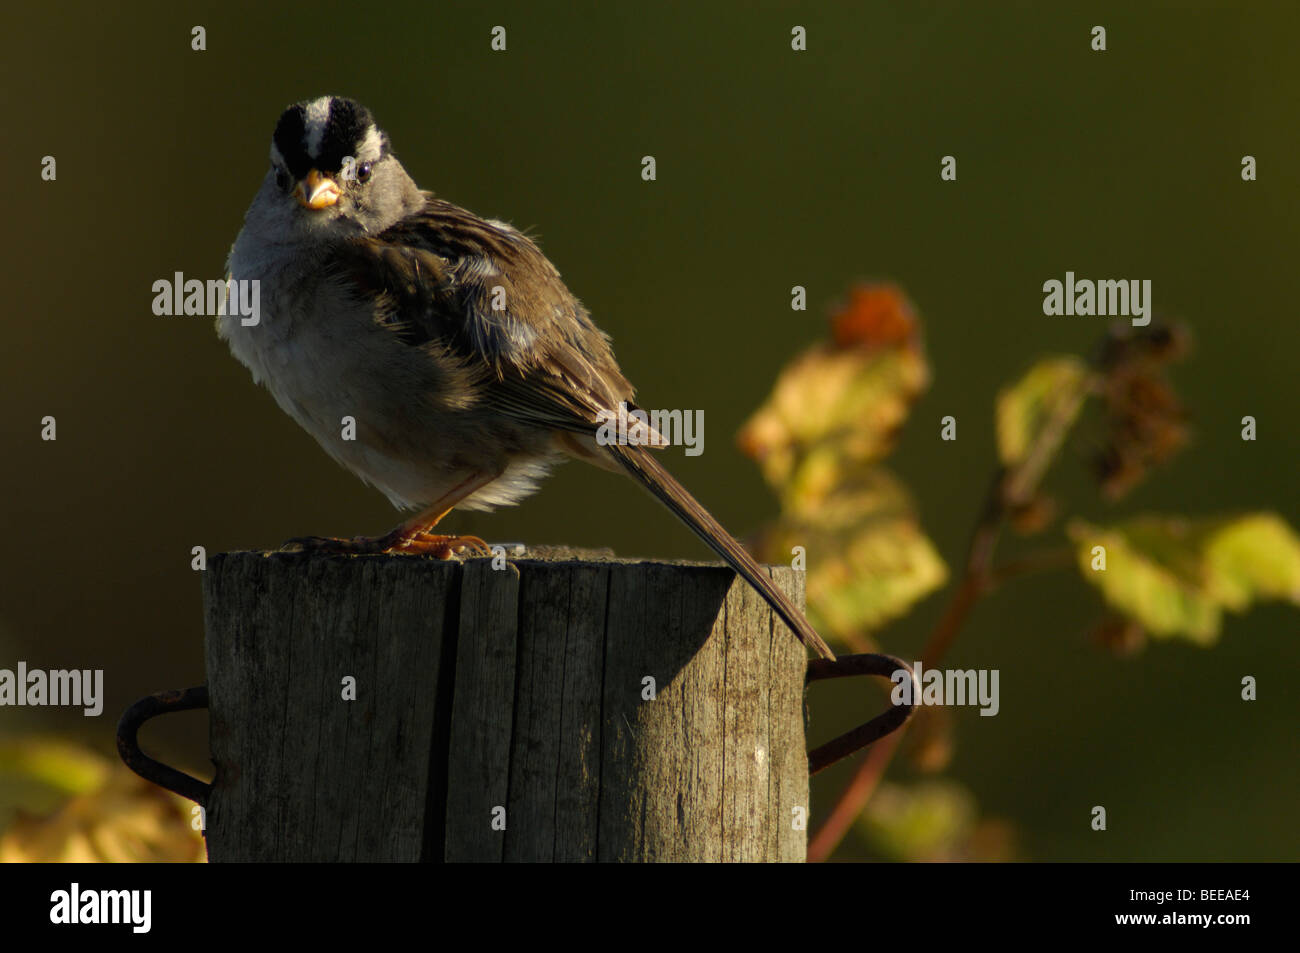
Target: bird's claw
441	547
417	544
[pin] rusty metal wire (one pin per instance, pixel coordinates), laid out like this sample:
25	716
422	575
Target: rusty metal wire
847	666
128	745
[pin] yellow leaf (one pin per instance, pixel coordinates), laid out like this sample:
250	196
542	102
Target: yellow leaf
847	396
1054	386
122	818
1255	556
1148	578
833	412
1174	576
868	560
53	763
927	822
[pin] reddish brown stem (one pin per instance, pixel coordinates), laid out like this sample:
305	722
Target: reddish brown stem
865	780
1008	487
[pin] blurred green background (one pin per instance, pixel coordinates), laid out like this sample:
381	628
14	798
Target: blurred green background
774	169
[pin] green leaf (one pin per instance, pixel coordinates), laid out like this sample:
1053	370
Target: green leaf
868	560
929	821
1254	557
1144	578
1175	576
1052	388
53	763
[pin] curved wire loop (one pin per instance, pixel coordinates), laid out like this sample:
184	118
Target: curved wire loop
854	740
128	745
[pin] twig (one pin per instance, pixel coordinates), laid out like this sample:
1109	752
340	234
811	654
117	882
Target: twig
973	584
1043	560
1008	487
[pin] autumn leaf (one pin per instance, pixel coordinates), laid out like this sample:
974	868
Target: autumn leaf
868	561
846	397
1053	387
54	763
1254	557
832	416
1145	424
1175	576
106	813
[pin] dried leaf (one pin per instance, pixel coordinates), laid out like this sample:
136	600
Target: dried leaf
1144	420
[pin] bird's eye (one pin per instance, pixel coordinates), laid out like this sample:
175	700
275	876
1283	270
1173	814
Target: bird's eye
363	171
281	179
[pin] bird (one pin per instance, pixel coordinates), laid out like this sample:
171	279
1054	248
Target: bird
466	365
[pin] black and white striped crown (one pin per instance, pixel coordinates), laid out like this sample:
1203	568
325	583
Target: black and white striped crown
320	133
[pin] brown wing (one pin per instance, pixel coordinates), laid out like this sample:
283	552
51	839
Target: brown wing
484	293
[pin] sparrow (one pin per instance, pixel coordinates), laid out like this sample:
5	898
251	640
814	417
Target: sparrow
466	366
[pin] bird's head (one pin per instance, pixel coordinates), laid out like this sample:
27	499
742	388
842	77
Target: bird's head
333	170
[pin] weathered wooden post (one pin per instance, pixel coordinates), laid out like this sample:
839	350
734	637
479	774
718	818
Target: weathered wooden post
399	708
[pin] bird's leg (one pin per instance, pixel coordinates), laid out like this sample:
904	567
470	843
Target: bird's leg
412	536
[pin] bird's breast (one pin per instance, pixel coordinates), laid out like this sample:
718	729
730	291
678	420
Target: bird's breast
400	417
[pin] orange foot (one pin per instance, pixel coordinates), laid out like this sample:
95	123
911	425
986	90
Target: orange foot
416	544
441	547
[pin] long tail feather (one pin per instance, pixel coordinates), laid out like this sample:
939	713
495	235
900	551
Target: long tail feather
646	470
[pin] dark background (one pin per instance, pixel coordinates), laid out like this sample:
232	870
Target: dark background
774	169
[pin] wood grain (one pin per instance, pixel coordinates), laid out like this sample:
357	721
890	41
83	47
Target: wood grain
555	709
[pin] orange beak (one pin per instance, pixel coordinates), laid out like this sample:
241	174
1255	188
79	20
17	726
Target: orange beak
316	191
